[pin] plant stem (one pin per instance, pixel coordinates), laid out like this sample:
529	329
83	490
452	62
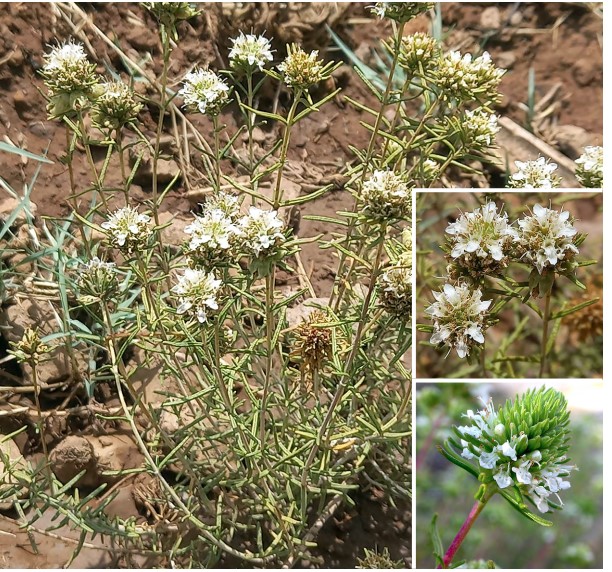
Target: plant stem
483	362
465	528
545	333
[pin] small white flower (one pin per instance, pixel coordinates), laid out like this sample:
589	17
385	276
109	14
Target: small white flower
128	229
503	478
205	91
508	450
197	290
467	454
459	316
385	195
538	174
261	231
250	51
522	473
488	460
546	238
589	167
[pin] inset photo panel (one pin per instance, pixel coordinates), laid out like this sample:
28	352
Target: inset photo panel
509	474
509	284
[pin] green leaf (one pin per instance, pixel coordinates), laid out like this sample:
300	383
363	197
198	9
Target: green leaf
576	308
436	541
19	151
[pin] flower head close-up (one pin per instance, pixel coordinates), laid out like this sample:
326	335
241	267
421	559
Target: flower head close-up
480	241
459	317
521	446
250	52
197	291
127	229
546	238
537	174
589	167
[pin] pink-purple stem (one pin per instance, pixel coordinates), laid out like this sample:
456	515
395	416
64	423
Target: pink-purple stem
465	528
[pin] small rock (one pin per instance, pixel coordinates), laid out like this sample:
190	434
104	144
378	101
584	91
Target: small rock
259	135
167	168
73	455
490	19
39	128
174	234
302	311
22	102
584	72
8	205
505	60
113	453
571	140
142	39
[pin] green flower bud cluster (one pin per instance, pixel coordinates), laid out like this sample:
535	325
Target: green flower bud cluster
401	11
97	281
519	450
115	105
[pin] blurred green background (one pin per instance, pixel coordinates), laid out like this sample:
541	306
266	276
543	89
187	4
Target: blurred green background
501	534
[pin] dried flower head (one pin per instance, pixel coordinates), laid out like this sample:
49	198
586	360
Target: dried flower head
589	167
587	323
395	287
538	174
204	91
400	11
115	106
69	77
459	317
379	560
313	341
97	281
212	235
385	196
546	238
480	241
128	230
418	52
479	128
463	79
250	52
521	446
301	70
197	291
261	232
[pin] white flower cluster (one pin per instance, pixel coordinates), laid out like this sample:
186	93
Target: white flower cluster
395	287
459	316
67	56
538	174
589	167
127	229
480	128
481	239
197	291
509	468
385	195
249	52
465	79
220	231
68	72
212	235
261	231
203	90
545	238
